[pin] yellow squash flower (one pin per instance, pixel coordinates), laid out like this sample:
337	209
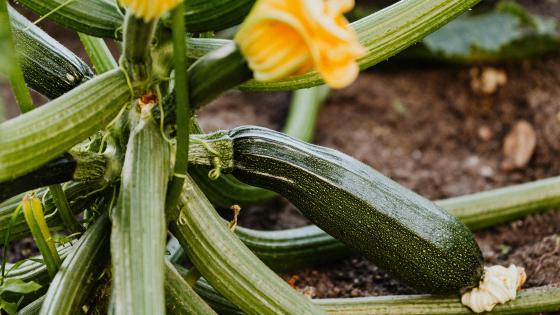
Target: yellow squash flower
149	9
280	38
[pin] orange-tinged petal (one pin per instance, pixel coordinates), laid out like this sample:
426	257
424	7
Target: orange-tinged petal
300	35
149	9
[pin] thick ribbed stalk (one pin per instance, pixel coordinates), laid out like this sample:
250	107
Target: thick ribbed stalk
98	52
384	34
137	58
15	75
528	301
80	271
138	235
228	264
32	139
304	109
180	297
306	246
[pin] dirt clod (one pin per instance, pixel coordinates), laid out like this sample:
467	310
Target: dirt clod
519	145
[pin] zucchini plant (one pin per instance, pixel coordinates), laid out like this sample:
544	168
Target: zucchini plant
117	158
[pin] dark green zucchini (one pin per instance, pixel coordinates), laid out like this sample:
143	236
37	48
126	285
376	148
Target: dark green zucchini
213	15
102	18
48	67
78	166
402	232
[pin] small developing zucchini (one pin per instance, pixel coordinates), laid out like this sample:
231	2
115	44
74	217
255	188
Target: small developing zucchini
138	233
80	196
48	67
400	231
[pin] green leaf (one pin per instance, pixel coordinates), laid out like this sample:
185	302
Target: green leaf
508	31
10	308
19	286
487	32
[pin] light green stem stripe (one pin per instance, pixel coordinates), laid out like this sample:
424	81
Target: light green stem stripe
384	34
98	52
32	139
304	110
63	207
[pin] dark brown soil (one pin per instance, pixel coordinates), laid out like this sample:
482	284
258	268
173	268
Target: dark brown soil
425	127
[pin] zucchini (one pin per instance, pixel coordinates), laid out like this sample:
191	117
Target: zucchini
308	246
72	285
138	234
48	67
100	18
78	166
400	231
213	15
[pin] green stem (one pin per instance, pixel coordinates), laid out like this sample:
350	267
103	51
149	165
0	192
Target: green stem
229	265
136	58
80	271
180	297
304	109
528	301
63	207
15	75
138	233
183	108
98	53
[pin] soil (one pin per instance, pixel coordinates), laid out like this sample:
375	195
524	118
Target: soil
431	129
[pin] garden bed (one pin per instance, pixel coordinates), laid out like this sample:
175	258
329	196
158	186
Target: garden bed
432	129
